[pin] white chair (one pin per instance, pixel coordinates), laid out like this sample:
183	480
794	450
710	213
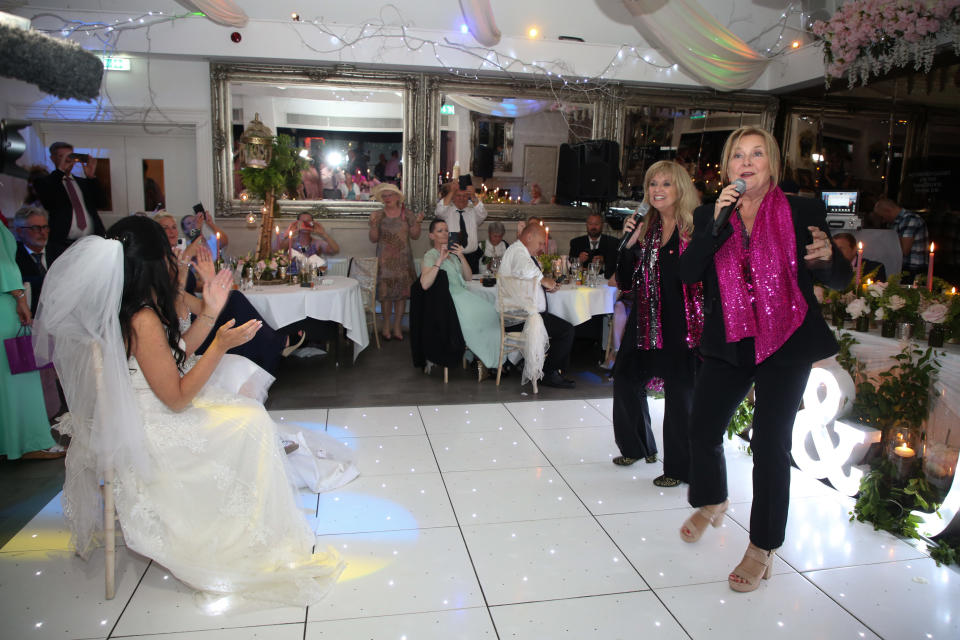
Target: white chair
364	271
514	300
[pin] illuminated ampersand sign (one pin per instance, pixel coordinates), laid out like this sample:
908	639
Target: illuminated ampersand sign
837	445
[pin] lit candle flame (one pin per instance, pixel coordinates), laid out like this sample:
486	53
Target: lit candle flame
931	247
860	246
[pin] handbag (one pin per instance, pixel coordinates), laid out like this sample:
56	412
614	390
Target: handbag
20	352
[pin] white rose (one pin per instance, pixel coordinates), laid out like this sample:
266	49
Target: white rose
857	308
879	314
935	313
897	303
876	289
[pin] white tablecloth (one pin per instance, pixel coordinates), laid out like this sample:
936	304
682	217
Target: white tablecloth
574	304
943	425
338	301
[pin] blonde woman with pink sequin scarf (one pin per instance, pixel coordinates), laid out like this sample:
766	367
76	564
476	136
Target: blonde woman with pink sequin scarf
762	328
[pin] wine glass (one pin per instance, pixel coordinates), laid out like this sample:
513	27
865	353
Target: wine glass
258	272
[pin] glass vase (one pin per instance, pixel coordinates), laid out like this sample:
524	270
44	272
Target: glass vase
888	328
935	335
863	323
904	451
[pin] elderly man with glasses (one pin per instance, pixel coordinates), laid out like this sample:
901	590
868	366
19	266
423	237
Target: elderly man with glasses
31	226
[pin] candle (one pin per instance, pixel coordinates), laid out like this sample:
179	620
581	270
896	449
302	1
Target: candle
217	256
859	262
547	229
904	451
930	270
290	243
276	237
953	291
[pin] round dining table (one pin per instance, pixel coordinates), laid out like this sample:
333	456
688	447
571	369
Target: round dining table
575	304
336	299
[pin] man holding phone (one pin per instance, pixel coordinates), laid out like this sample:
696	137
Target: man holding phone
70	200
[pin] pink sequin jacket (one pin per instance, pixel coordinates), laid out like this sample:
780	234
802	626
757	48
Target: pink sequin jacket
813	340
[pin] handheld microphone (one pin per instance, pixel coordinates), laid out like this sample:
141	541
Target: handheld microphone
724	216
640	212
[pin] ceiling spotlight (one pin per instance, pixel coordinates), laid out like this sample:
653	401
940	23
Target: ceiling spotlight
795	44
533	32
295	16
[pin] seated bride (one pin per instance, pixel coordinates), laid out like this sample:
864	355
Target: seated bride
201	482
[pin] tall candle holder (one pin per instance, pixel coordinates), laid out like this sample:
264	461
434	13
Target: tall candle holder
904	451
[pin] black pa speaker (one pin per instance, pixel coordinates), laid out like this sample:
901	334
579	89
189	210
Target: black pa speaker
588	170
482	161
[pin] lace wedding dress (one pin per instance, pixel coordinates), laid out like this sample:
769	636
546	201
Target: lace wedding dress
218	510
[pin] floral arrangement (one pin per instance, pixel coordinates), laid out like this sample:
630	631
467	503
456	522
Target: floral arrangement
869	37
271	266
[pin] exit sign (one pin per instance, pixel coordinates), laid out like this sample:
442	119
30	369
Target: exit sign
446	109
115	64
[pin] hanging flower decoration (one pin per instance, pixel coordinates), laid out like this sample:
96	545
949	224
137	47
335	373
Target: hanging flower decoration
870	37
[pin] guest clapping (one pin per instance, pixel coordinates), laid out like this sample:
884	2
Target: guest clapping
663	327
762	327
391	229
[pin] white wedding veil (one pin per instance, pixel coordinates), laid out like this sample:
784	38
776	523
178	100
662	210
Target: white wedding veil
77	327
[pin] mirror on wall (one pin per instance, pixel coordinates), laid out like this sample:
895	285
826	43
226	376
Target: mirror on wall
349	127
509	146
692	137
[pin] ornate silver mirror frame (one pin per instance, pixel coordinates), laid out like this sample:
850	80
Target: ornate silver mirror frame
345	76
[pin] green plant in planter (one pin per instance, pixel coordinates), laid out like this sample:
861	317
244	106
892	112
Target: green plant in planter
901	397
282	175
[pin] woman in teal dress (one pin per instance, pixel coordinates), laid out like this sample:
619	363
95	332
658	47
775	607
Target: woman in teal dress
479	320
24	428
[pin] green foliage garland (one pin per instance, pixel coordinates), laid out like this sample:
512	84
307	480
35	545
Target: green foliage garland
888	506
901	398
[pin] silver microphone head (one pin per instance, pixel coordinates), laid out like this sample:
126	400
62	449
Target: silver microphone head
740	185
642	209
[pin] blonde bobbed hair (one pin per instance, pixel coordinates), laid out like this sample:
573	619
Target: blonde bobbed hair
772	150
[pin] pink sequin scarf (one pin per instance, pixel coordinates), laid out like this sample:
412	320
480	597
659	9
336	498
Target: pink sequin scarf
646	287
758	286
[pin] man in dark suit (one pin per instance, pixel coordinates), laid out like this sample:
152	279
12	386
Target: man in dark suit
71	201
34	253
595	246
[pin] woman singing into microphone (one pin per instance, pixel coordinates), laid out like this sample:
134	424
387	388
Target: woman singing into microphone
664	323
762	328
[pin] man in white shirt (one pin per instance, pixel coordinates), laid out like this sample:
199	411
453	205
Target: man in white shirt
463	206
519	261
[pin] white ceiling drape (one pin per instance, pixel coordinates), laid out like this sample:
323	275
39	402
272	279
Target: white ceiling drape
479	18
504	108
684	32
225	12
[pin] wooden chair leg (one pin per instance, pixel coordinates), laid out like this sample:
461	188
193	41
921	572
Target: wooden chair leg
446	373
110	536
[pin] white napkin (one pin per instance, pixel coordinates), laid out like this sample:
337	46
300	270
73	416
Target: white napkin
315	261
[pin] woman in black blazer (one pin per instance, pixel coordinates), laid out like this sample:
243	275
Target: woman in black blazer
762	327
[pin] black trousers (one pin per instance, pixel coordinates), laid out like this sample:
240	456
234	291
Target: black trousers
560	333
719	389
632	371
473	259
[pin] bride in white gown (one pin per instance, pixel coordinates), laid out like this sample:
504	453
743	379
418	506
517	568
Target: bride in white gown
201	481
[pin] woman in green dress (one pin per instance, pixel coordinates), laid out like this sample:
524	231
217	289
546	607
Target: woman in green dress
24	428
479	320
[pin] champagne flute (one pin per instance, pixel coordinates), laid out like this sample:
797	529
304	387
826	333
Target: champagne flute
258	272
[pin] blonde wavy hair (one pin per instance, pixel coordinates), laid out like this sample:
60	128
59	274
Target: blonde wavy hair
769	142
686	195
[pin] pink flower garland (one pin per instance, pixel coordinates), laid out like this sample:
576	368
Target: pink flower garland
867	37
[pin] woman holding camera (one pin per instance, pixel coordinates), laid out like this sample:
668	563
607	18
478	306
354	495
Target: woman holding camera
762	328
309	237
479	320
